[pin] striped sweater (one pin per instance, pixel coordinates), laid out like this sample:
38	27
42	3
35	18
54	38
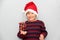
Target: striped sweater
34	29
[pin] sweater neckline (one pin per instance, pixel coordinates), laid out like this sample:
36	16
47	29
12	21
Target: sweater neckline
33	21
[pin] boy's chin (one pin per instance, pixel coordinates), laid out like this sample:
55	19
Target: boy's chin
31	19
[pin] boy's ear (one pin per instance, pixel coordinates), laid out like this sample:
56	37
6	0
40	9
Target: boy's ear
35	15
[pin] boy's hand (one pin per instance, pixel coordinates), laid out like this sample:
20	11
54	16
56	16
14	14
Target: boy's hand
23	32
41	37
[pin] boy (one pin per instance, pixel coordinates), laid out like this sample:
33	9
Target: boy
32	29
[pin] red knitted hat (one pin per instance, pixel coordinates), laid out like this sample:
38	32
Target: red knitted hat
31	7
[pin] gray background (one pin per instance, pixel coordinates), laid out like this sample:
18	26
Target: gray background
11	13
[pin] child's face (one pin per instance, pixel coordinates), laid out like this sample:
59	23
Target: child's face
31	16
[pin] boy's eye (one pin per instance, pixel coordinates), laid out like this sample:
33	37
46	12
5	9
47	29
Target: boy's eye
32	13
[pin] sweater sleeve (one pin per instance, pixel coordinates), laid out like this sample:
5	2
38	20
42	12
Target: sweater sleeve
20	35
43	29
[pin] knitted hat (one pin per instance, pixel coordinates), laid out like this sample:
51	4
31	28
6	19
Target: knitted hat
31	7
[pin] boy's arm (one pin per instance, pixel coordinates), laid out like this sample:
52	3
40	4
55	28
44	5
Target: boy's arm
43	30
20	35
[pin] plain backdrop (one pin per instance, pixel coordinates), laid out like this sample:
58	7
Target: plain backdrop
11	13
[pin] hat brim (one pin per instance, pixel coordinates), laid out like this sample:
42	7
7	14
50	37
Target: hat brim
31	11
